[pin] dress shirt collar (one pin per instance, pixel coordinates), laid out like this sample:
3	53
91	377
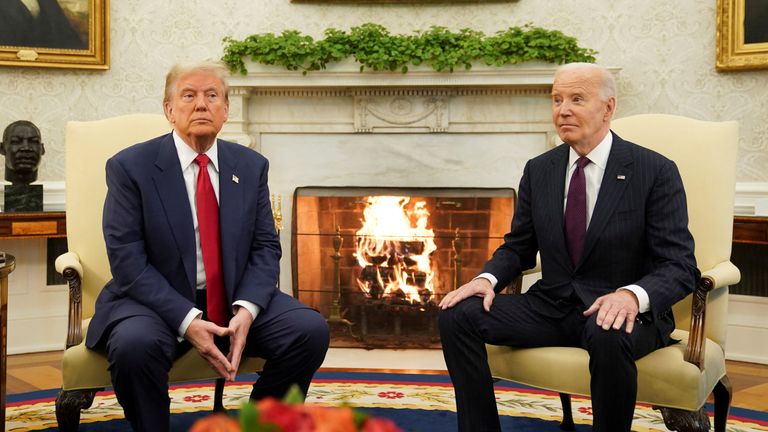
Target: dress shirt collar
187	155
598	155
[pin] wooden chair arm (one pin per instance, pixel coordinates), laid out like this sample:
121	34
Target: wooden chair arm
694	352
719	277
69	266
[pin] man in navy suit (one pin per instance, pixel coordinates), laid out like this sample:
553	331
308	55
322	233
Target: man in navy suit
607	287
154	309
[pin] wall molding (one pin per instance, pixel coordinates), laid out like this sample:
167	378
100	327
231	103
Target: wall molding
748	195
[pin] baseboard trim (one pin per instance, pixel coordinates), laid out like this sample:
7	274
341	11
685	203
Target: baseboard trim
747	358
27	349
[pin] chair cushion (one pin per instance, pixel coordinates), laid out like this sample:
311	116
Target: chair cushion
85	368
664	378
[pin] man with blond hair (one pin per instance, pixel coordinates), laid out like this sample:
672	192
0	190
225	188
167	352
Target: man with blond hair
194	257
609	221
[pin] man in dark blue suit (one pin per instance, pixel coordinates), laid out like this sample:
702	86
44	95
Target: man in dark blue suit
164	276
609	221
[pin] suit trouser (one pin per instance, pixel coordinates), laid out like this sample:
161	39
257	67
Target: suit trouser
141	349
527	321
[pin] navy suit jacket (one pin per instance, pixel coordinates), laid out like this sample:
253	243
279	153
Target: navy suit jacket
150	236
638	233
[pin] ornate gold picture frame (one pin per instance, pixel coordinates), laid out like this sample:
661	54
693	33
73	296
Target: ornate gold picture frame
55	34
742	34
400	1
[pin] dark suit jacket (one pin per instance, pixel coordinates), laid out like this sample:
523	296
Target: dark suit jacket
150	236
638	233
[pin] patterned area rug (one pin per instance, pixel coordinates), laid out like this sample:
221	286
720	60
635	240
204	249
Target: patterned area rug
415	402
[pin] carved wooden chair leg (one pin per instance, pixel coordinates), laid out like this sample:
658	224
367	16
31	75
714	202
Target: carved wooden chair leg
567	423
685	421
723	392
218	396
69	403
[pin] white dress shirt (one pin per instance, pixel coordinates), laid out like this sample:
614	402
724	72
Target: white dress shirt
190	170
593	173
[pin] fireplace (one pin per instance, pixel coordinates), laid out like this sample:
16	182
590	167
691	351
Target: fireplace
377	261
413	134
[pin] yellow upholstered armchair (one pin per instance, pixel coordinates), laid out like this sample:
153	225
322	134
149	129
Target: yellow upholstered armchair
677	379
86	268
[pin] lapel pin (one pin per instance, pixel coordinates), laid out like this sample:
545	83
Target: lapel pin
235	178
621	177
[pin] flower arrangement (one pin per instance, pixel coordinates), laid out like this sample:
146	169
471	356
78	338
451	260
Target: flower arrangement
290	415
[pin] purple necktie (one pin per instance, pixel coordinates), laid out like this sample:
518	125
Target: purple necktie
576	211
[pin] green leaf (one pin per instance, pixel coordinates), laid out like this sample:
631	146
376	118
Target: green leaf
294	396
249	416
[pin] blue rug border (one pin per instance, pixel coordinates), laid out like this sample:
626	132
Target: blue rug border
371	376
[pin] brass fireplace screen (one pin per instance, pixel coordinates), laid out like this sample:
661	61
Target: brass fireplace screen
376	261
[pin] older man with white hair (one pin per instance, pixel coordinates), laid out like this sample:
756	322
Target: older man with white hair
609	221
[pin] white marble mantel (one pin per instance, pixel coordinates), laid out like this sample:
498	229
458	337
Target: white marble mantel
341	99
347	74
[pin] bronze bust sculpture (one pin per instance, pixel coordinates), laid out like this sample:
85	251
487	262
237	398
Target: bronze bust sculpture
23	149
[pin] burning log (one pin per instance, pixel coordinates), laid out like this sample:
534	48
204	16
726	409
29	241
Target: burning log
394	249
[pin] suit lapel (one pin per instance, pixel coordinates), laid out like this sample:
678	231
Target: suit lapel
230	212
556	197
618	174
169	182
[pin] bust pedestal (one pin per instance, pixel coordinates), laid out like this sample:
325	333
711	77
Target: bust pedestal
23	198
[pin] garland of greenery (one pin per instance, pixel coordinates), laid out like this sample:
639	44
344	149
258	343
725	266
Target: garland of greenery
375	48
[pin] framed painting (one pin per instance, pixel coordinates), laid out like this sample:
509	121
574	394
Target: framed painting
55	33
742	34
401	1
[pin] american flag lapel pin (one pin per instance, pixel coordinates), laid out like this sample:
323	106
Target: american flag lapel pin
621	177
235	179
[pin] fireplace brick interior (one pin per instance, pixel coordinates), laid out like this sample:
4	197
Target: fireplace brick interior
481	216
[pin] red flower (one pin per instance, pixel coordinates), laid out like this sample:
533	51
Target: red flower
332	419
380	425
216	423
585	410
290	418
391	395
285	417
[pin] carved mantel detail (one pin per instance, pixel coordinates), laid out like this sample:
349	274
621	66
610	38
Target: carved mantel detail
401	112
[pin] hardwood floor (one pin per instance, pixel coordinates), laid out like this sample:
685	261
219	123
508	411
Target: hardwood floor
39	371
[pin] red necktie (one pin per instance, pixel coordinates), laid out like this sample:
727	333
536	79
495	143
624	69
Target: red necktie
576	211
210	243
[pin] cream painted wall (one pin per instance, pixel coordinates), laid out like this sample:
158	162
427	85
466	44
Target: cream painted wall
666	51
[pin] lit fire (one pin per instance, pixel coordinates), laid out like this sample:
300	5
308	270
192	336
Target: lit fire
393	250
